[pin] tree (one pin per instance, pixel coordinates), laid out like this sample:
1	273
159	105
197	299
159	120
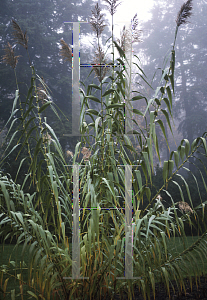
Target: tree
43	22
41	220
190	87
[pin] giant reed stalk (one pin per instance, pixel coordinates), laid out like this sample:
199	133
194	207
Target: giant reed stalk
101	261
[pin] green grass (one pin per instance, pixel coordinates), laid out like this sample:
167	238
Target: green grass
176	246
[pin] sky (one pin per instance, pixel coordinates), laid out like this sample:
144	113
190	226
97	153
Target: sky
127	9
125	12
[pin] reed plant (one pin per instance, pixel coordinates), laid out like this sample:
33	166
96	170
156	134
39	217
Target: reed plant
42	221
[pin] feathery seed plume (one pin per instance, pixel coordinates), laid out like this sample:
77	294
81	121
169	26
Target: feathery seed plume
129	36
112	5
184	13
135	31
20	37
47	138
9	57
122	41
69	153
86	153
183	206
99	59
97	20
66	51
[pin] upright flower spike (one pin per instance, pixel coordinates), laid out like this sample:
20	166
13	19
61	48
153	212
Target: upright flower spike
184	13
121	41
112	5
135	31
125	35
20	37
97	21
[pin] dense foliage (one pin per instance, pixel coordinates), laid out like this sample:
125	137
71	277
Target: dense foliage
42	219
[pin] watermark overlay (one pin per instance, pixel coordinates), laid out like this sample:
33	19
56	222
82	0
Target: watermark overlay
128	168
76	83
128	225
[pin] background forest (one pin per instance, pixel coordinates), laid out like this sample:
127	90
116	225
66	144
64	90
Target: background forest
118	203
45	28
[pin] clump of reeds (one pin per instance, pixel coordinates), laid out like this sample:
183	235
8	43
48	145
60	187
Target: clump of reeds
9	58
20	37
97	21
66	51
184	13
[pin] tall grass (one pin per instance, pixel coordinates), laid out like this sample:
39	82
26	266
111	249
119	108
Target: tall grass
42	221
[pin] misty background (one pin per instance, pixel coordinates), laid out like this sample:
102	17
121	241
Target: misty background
44	22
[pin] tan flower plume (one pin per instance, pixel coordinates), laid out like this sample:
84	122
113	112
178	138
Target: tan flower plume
86	153
9	57
183	206
97	21
184	13
66	51
20	37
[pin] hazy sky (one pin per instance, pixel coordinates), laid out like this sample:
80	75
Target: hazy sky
125	12
128	8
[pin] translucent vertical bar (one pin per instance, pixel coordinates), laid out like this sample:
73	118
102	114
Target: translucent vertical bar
76	231
128	223
76	80
128	79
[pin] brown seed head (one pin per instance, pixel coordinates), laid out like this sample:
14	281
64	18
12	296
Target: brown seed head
69	153
9	57
66	51
100	60
184	13
97	21
20	37
47	138
86	153
183	206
